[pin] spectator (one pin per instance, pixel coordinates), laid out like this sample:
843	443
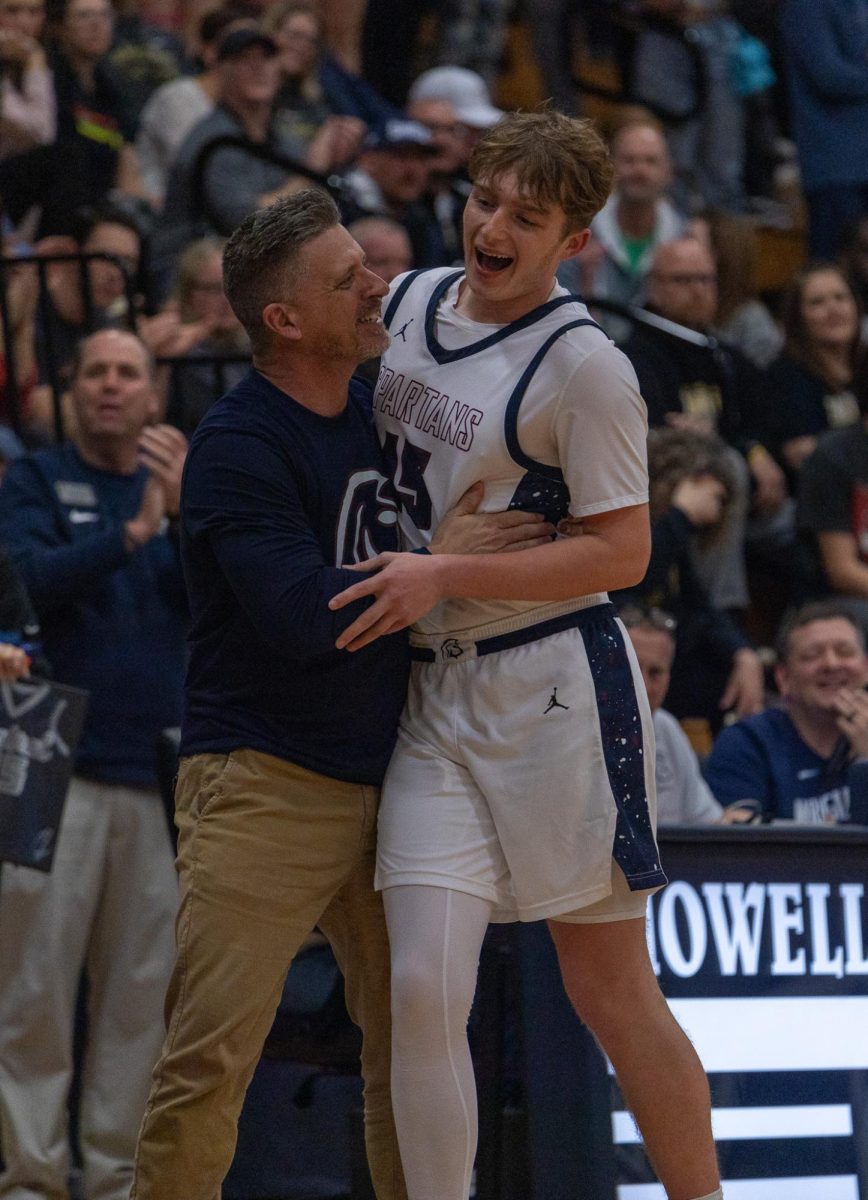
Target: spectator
826	59
714	669
683	796
75	305
100	298
176	106
637	219
390	179
687	387
211	196
146	53
85	522
448	183
28	115
808	389
687	72
199	310
833	507
468	94
93	151
326	141
806	759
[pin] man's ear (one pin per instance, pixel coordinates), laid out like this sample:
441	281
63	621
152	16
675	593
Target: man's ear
280	320
575	244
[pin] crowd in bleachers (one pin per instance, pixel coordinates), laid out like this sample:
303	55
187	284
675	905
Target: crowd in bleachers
134	138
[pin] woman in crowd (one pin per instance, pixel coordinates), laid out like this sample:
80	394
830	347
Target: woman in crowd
303	114
808	387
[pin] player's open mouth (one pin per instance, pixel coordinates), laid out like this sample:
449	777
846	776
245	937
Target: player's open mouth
492	262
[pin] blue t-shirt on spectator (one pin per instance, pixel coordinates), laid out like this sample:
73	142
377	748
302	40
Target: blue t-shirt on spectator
764	758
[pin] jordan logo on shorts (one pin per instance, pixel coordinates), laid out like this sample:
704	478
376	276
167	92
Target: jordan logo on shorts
402	332
554	703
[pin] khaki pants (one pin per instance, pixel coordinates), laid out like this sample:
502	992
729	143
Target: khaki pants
266	851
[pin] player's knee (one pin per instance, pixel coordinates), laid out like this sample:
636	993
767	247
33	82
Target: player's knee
422	1007
609	1006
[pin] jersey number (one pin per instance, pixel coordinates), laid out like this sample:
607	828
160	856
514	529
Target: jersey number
406	474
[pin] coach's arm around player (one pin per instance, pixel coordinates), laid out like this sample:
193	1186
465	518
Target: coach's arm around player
612	552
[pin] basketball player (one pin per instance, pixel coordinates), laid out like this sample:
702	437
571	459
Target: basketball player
522	785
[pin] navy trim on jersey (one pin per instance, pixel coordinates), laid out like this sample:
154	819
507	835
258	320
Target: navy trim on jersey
399	296
443	356
510	421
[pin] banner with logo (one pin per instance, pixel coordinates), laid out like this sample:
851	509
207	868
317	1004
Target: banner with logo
760	943
40	728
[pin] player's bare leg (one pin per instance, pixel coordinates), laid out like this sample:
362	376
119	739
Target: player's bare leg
609	979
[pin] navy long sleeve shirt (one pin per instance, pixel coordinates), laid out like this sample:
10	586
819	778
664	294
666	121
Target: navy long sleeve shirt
275	500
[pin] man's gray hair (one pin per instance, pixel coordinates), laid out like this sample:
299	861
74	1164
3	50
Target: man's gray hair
260	256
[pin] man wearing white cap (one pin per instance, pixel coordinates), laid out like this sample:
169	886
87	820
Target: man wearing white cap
465	90
454	105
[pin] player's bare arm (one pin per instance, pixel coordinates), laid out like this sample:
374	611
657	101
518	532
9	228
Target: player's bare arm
612	552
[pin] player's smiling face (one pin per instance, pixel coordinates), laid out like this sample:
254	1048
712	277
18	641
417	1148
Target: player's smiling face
512	247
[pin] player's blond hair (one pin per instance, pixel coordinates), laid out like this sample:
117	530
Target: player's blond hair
556	160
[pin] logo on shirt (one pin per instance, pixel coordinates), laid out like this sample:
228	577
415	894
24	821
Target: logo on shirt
402	332
368	509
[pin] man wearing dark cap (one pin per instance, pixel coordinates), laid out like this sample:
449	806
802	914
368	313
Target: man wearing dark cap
390	178
210	193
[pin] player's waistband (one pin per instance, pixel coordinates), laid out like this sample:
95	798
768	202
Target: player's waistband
462	645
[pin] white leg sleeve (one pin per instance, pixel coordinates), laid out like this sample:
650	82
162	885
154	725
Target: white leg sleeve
436	936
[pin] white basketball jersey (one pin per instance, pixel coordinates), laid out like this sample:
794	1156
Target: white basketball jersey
545	411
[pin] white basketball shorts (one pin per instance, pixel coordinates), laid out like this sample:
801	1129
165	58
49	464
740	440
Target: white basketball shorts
524	767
